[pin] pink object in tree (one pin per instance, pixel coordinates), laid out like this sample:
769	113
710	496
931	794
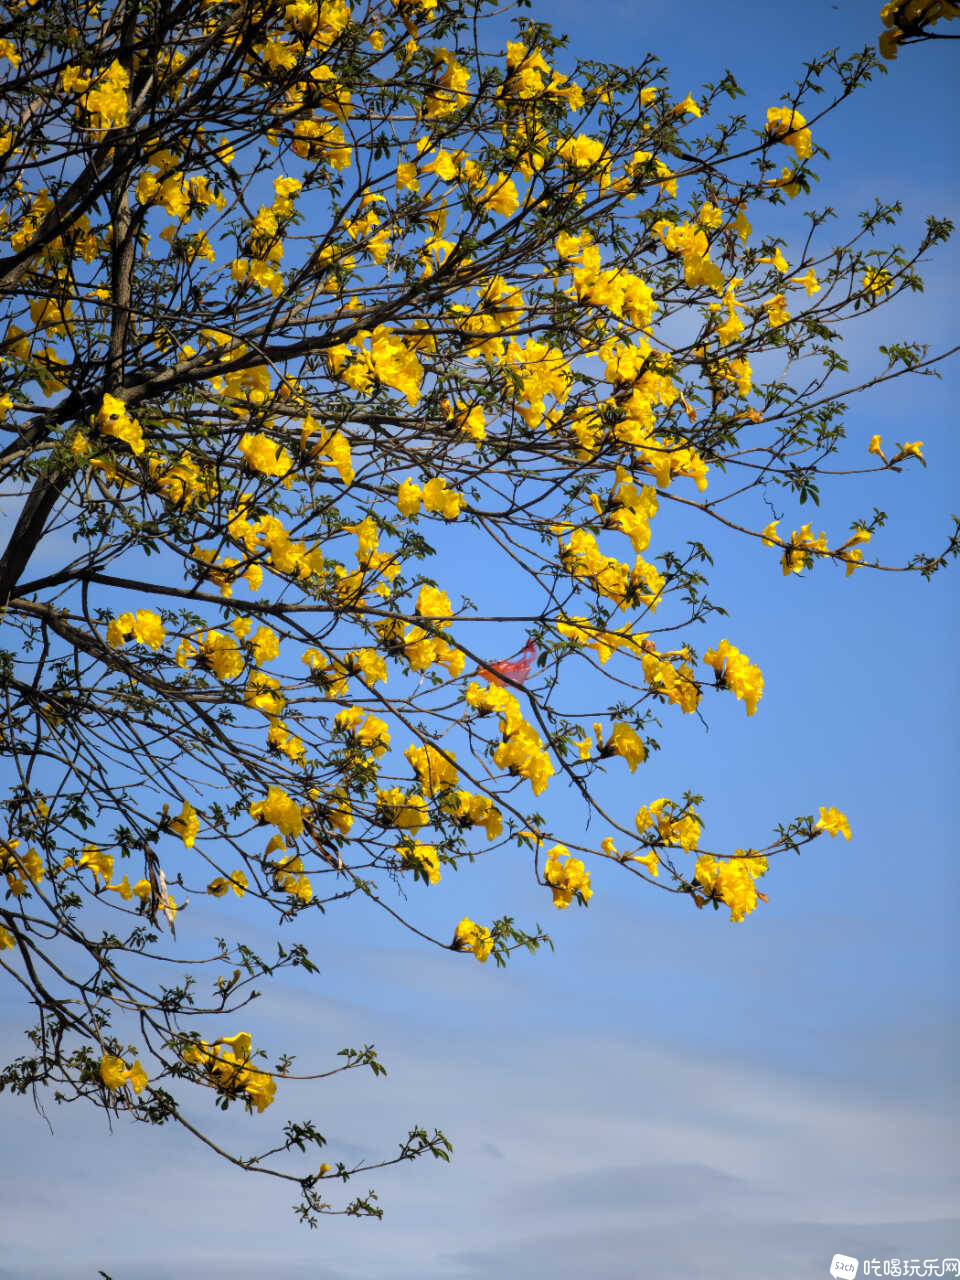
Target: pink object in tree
516	670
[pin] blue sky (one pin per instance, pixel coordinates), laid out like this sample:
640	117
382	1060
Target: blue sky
666	1093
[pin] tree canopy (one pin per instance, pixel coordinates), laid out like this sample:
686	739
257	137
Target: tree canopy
320	320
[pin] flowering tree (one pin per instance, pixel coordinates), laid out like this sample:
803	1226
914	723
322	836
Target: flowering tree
299	296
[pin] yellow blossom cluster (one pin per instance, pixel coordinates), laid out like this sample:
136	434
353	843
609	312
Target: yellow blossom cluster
113	420
800	549
364	729
735	671
265	456
583	152
833	822
217	651
676	683
521	751
421	858
181	483
101	864
406	811
263	693
877	282
470	420
187	826
435	772
673	825
732	880
604	643
567	877
689	240
145	626
280	738
19	867
264	240
436	495
288	875
103	97
776	309
280	811
530	76
785	125
387	360
469	936
582	558
623	741
421	650
473	810
237	881
628	509
267	537
226	1065
614	289
115	1074
540	370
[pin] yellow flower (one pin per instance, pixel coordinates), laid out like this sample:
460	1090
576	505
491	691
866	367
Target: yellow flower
280	811
408	498
736	672
778	261
687	107
222	655
809	282
368	730
123	888
136	1076
187	825
145	626
877	282
776	309
112	1071
397	809
423	859
567	877
649	860
100	863
910	449
407	179
501	196
833	822
876	446
433	603
623	741
472	937
438	497
115	1075
265	645
732	880
269	459
788	126
434	771
113	420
